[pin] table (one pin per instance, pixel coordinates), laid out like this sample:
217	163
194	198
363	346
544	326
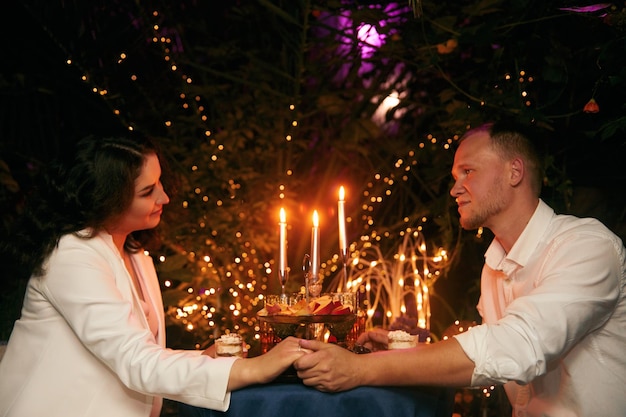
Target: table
298	400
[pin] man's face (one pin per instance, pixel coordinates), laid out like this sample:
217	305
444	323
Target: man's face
480	189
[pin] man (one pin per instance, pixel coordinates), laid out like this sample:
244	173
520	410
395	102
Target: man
552	299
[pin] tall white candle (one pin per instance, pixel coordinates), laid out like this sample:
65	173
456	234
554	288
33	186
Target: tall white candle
282	262
341	216
315	248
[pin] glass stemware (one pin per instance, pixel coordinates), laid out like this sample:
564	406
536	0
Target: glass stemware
283	276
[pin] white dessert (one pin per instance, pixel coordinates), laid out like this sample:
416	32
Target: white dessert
229	345
399	339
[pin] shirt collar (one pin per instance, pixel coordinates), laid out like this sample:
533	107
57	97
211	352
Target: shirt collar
497	258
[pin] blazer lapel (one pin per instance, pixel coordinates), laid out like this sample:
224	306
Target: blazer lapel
145	269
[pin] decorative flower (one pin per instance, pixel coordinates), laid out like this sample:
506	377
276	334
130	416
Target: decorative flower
591	106
447	47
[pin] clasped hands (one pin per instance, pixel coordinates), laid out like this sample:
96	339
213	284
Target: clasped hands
331	368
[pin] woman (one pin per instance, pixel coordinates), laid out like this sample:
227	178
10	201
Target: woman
91	337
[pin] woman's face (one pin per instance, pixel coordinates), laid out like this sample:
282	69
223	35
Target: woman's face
148	200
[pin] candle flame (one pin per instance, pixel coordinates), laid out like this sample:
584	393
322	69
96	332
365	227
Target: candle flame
316	220
342	193
283	215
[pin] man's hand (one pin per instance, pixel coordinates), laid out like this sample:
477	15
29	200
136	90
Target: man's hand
328	367
376	339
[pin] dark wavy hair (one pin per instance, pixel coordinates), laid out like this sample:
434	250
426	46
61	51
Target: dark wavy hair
85	190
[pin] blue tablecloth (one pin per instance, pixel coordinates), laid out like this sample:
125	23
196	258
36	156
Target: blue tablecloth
298	400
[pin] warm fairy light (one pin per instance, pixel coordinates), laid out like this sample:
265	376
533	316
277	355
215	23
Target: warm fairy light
386	280
244	281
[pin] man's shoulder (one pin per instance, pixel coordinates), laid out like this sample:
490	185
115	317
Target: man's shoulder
547	225
564	223
567	227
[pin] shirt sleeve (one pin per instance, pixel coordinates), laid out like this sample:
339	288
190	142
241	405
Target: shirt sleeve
91	293
576	288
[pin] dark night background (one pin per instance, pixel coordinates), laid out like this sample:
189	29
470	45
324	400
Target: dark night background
251	59
225	111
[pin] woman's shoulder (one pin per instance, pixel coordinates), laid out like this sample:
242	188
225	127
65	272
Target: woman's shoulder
88	240
76	252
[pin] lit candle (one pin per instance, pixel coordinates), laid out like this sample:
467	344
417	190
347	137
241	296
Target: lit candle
342	222
315	248
282	264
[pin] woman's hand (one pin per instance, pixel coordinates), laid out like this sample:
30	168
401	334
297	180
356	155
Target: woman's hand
265	368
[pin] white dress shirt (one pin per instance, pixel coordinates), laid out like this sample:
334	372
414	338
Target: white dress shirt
83	346
554	319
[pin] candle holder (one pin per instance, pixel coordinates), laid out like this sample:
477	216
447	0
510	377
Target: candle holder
312	285
344	260
306	272
283	276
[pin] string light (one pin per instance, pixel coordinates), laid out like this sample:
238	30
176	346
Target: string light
218	291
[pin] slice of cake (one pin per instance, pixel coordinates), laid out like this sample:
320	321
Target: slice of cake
229	345
399	339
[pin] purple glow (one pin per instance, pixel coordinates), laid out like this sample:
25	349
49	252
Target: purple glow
586	9
362	38
369	39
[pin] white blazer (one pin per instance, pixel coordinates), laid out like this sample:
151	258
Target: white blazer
82	346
